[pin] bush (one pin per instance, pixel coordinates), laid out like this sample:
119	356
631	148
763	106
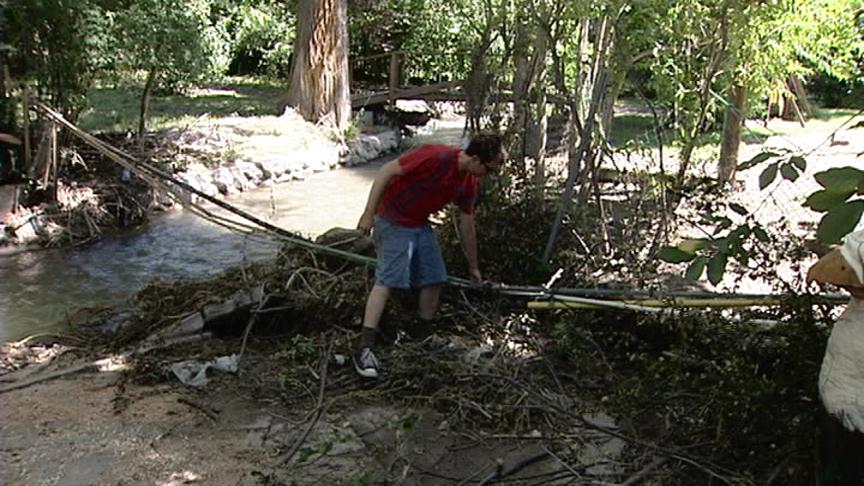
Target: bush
835	93
262	37
741	395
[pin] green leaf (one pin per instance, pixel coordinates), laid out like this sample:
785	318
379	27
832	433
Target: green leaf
789	172
672	254
762	157
716	267
840	221
738	209
695	269
840	179
824	200
761	235
692	245
723	223
767	176
798	162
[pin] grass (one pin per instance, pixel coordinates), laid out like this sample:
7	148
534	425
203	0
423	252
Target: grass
117	108
634	126
823	120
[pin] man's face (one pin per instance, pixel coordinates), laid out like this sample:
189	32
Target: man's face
493	166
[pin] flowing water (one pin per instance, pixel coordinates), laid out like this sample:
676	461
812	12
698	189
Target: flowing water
39	290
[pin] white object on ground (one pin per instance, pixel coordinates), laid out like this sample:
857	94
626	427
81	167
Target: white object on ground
194	373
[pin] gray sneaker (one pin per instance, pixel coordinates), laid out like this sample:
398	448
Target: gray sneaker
366	363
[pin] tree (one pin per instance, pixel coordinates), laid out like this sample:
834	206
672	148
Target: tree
57	47
319	84
779	43
170	40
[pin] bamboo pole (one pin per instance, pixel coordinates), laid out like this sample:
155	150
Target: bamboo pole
666	304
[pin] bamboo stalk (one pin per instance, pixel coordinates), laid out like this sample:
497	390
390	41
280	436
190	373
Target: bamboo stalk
665	304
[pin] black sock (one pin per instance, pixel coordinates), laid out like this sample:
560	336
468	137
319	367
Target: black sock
367	337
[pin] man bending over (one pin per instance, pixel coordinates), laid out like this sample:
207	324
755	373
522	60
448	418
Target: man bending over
404	194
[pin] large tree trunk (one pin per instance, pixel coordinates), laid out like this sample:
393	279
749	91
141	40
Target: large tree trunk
732	122
797	106
319	84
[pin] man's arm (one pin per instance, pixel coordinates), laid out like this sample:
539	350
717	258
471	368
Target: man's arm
382	178
468	232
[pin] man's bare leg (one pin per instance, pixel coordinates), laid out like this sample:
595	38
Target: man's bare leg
428	303
375	304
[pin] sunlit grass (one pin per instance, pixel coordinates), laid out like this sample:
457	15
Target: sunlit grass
117	108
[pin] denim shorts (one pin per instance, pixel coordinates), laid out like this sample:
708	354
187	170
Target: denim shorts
407	256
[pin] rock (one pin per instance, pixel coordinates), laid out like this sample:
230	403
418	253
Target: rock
162	199
350	240
251	171
224	181
241	182
416	106
266	174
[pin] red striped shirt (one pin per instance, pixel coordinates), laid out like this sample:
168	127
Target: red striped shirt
430	179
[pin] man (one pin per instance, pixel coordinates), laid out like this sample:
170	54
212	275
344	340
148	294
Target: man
403	196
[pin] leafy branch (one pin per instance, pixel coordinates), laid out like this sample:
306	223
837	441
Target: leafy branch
840	199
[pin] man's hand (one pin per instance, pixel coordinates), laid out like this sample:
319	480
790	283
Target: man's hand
475	275
365	223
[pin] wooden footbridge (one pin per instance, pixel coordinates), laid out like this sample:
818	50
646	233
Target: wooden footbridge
442	91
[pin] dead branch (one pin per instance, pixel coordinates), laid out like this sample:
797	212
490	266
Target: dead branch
319	410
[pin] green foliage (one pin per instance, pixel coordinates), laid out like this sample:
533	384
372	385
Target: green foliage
299	353
839	199
437	34
173	37
262	36
518	225
714	253
57	47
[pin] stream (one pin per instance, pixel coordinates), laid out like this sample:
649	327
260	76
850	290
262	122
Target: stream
39	290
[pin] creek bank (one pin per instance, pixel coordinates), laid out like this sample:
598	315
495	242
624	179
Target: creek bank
219	157
473	403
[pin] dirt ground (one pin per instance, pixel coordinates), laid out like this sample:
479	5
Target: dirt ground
107	428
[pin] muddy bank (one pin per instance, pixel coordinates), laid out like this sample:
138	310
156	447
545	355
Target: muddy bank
470	403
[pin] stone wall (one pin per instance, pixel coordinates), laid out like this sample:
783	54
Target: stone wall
265	168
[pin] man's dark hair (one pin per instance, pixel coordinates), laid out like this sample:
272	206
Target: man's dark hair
486	146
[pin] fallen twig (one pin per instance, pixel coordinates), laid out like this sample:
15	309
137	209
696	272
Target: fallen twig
639	476
319	410
99	364
712	470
